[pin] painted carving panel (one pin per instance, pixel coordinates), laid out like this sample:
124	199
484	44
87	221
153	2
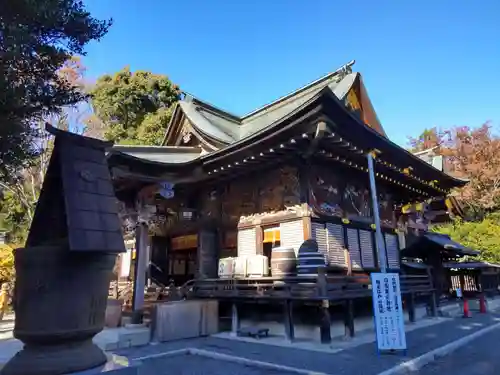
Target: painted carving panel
386	207
356	201
343	194
326	190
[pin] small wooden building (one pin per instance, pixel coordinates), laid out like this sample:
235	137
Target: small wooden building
223	185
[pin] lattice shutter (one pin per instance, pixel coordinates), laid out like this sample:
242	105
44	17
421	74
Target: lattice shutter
353	246
392	247
366	242
292	234
319	234
247	242
336	245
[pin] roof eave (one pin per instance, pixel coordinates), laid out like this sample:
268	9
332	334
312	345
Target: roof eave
327	92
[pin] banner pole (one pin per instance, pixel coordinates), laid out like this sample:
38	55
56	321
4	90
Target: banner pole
382	255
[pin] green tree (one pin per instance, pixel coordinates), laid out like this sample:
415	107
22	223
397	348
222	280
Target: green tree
135	107
483	235
22	189
36	38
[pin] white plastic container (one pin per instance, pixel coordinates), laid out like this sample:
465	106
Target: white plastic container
240	267
226	268
257	266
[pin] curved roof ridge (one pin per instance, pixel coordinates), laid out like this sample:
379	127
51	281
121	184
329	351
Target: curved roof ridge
209	106
344	68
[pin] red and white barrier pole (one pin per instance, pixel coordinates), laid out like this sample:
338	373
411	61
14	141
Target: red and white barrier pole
482	304
467	313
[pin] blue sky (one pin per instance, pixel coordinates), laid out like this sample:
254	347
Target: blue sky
425	63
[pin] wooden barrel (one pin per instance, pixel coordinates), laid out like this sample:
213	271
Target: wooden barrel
309	259
283	262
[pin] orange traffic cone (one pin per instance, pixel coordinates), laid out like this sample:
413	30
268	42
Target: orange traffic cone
466	309
482	304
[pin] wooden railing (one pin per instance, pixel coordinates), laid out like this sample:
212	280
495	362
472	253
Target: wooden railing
301	288
490	282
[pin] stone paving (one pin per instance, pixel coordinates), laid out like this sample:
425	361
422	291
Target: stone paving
196	365
362	360
479	357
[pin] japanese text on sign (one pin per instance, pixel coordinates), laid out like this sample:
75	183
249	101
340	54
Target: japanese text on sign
388	311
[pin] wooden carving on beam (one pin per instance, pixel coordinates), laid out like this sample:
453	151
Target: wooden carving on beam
290	186
277	192
239	198
270	194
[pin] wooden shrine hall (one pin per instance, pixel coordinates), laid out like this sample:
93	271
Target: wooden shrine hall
296	169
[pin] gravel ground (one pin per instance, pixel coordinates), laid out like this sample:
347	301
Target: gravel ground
362	360
479	357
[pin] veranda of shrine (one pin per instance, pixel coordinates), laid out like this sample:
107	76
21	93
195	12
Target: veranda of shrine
294	170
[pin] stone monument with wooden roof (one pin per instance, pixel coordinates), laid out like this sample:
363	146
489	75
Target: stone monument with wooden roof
63	273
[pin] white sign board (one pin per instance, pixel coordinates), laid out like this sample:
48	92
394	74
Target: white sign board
388	311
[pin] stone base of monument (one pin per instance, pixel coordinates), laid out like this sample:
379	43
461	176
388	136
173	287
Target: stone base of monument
60	302
48	359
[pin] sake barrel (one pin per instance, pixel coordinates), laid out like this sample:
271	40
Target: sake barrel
309	259
283	262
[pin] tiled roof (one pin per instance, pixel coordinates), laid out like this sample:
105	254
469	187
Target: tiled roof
159	154
228	128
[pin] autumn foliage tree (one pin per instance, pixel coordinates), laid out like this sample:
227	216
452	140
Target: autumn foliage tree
472	154
475	155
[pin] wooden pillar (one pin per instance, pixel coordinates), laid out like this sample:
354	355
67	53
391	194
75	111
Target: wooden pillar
235	320
411	307
288	320
349	318
433	304
208	254
259	240
478	279
461	277
325	319
141	249
306	224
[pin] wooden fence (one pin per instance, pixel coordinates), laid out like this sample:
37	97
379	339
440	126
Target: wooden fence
329	288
